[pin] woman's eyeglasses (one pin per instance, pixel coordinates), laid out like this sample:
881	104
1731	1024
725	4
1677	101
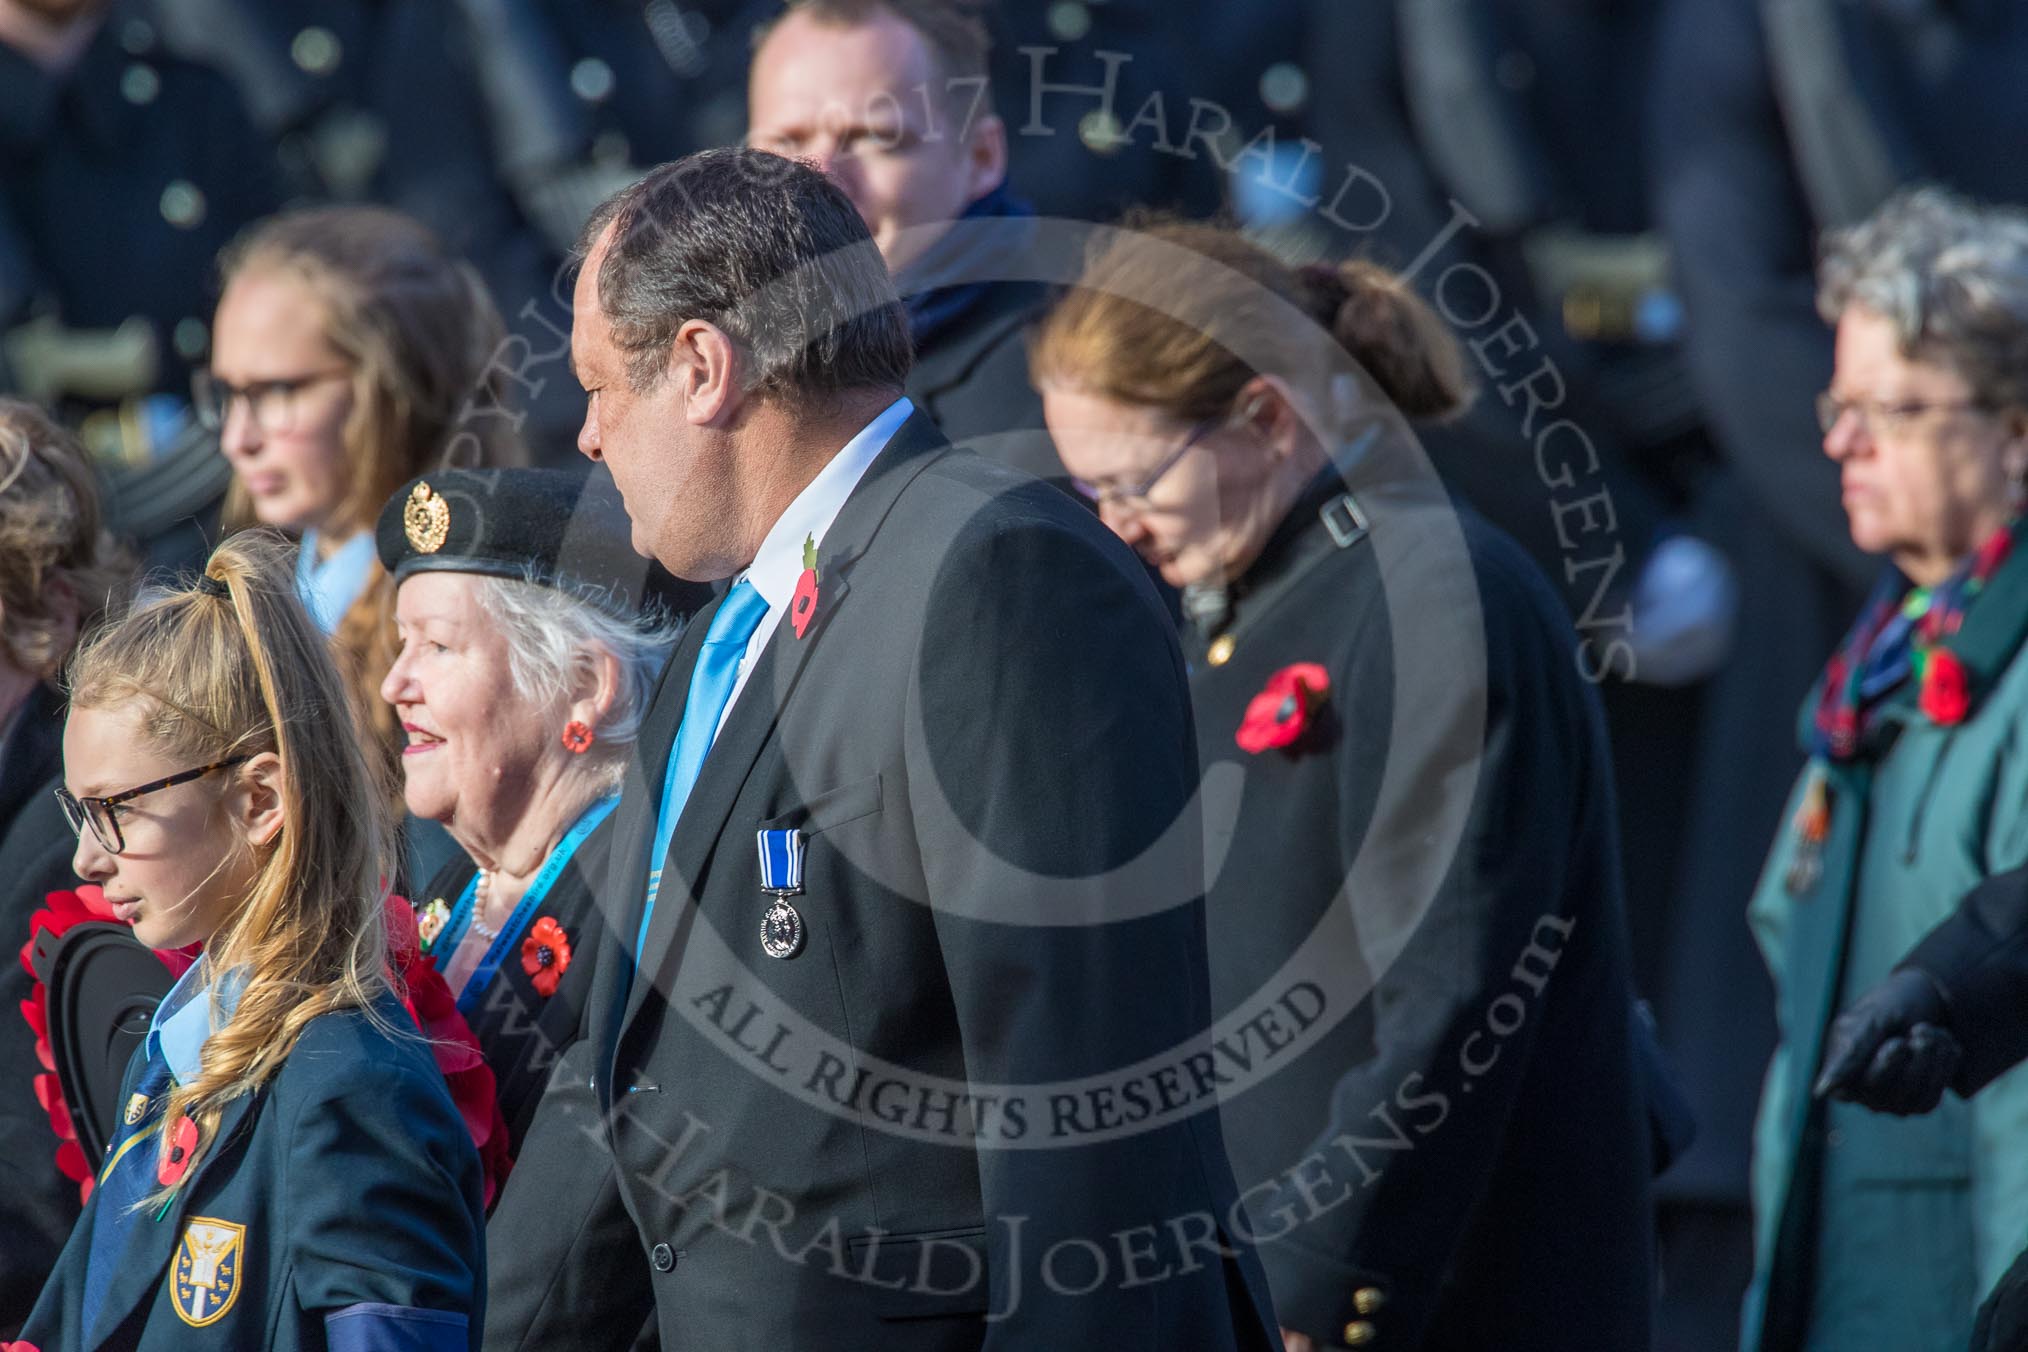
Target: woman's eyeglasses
98	812
1136	495
271	402
1885	418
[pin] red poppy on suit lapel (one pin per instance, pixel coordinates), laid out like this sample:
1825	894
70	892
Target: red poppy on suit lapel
1946	688
545	955
804	603
1280	713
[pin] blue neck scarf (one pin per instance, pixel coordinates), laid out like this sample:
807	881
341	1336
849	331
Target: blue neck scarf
934	303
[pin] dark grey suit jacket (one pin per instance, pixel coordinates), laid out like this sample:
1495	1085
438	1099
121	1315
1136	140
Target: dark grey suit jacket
905	1136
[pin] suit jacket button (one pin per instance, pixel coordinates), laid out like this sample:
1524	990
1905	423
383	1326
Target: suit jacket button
663	1257
1367	1299
1358	1333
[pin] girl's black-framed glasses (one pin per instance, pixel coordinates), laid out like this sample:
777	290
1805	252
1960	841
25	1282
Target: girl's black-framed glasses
98	812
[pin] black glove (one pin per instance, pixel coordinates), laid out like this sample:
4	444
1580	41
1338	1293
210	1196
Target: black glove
1892	1051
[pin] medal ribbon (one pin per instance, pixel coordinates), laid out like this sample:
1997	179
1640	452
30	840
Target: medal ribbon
781	861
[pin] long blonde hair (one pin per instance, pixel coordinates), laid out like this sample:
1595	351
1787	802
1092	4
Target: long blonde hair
423	339
240	674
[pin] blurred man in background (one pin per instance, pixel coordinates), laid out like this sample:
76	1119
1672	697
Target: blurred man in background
890	99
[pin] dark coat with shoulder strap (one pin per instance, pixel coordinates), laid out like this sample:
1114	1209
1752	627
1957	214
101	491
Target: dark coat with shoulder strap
1419	957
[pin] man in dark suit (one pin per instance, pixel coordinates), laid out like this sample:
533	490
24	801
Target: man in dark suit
908	943
890	99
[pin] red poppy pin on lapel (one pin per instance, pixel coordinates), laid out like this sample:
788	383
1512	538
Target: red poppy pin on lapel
170	1168
1280	713
804	604
545	955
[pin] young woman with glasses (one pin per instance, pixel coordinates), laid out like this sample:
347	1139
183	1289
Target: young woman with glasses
350	353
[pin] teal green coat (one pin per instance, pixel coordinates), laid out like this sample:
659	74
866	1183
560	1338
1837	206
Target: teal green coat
1876	1231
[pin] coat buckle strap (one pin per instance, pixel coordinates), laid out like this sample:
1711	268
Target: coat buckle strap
1345	520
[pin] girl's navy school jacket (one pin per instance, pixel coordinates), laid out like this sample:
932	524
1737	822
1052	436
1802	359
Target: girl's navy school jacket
339	1209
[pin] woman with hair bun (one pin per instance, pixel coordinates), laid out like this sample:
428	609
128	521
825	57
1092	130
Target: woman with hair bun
1426	1059
290	1170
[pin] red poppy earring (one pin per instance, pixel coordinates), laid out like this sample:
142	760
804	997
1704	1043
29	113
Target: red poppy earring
577	737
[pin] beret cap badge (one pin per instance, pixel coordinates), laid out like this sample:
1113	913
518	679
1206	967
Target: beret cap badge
426	519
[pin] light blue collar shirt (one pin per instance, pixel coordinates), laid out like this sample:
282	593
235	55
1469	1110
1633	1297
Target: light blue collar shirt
328	587
183	1022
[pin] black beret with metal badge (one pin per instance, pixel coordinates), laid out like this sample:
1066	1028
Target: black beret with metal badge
548	526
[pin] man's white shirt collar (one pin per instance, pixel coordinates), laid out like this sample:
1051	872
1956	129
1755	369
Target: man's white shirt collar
779	562
776	568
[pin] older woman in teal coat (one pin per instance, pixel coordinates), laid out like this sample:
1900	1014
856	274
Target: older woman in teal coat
1871	1230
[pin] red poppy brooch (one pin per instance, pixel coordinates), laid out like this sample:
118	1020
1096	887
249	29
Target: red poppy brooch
1281	712
1946	687
804	603
545	955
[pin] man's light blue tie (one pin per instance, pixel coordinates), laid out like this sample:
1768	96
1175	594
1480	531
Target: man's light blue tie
711	686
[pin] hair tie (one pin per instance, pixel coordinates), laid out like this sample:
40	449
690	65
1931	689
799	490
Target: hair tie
211	586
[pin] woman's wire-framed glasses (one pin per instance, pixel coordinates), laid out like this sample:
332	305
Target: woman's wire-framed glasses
1137	494
98	812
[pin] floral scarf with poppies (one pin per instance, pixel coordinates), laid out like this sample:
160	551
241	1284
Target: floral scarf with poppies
1904	634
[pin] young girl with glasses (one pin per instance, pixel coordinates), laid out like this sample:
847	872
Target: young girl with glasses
289	1170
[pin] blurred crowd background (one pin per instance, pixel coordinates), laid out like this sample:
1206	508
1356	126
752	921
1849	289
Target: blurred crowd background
1641	182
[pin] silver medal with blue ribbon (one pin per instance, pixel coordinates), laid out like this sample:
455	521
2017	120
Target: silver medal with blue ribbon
781	866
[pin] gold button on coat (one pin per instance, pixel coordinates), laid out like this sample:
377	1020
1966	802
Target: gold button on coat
1367	1299
1220	651
1358	1333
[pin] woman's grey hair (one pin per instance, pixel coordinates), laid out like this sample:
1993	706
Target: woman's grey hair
1951	276
549	630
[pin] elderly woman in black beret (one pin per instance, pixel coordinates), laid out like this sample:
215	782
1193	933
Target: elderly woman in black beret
530	639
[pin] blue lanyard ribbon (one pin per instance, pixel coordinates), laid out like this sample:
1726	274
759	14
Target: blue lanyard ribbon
511	932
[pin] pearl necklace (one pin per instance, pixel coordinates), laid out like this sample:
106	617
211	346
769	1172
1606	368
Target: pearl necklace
479	925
